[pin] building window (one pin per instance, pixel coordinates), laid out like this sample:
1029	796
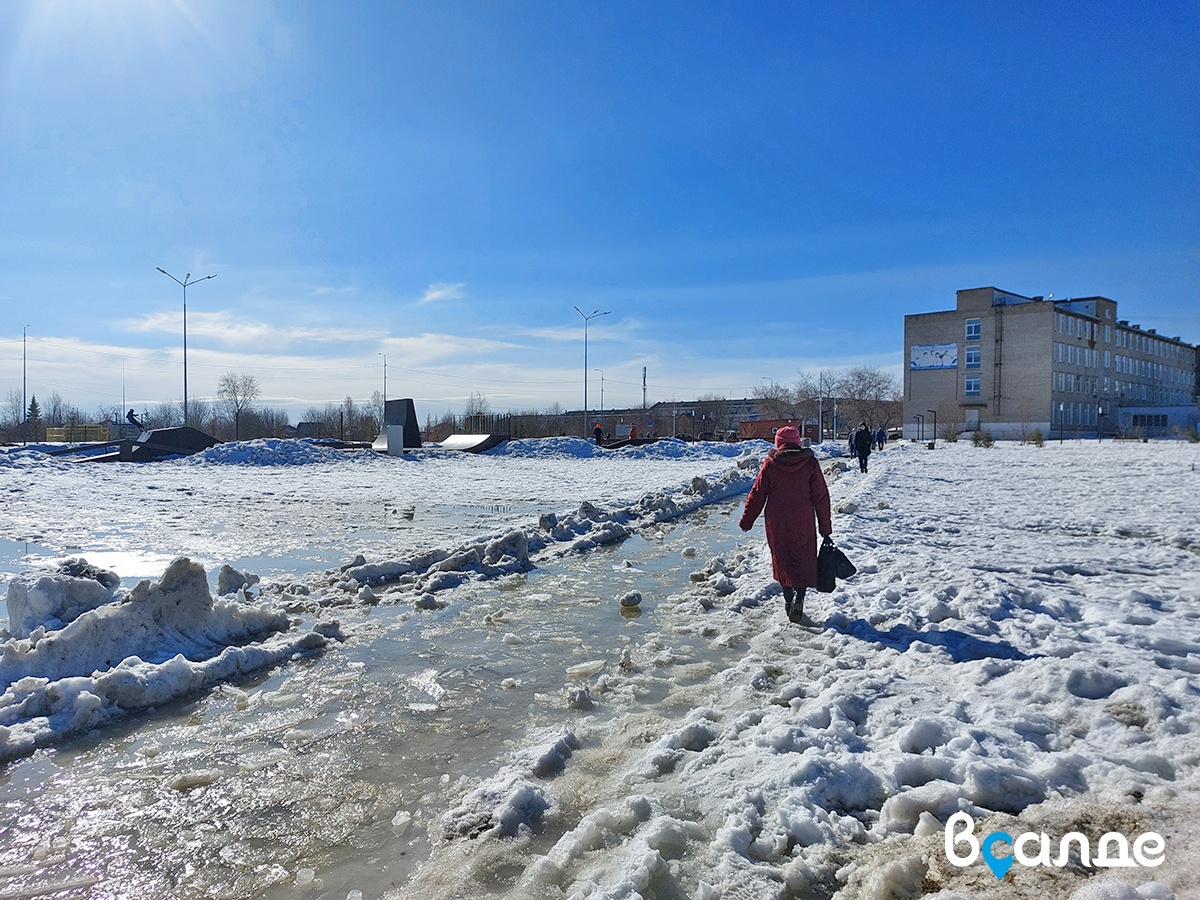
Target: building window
971	387
974	357
974	329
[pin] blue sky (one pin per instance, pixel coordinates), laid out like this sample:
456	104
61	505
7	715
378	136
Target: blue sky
752	189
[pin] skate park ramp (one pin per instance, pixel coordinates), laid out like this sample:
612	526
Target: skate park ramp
473	443
400	429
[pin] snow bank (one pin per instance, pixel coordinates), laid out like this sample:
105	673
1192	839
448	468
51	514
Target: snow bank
28	458
83	653
268	452
578	448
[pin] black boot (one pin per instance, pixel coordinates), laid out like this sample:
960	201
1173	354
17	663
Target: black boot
796	608
789	594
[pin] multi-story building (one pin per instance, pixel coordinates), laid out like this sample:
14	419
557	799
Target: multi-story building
1008	364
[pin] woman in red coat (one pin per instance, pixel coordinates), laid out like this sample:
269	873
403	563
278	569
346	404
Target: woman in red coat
791	486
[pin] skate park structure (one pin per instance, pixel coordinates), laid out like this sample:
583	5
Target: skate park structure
400	429
158	443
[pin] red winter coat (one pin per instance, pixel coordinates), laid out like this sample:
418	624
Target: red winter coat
792	488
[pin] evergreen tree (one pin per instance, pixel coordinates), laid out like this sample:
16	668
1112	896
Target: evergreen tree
33	419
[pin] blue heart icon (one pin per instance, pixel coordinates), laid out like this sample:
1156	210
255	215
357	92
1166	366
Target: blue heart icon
998	866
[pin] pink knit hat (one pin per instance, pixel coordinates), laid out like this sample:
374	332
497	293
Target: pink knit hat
787	436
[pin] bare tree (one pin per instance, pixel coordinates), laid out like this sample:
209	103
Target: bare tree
164	415
235	394
377	410
477	405
777	401
14	409
716	417
870	395
270	421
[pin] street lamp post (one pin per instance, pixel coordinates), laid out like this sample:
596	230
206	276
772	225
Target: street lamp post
384	355
1099	422
587	317
920	426
24	389
601	371
1062	422
187	279
934	411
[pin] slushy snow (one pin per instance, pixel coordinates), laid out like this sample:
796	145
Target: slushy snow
1021	644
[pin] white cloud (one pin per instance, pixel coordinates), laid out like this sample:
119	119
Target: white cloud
444	290
235	331
427	348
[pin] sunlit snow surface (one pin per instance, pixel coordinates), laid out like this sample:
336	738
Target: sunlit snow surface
1023	639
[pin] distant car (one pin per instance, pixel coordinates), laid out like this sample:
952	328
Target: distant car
896	434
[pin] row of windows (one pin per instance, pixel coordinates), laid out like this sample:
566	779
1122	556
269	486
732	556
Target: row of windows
1129	340
1150	421
1124	365
1083	328
1076	412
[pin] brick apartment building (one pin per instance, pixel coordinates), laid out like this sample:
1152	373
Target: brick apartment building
1008	364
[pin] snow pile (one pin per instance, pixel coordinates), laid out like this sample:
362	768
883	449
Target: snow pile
28	459
267	452
578	448
512	801
83	653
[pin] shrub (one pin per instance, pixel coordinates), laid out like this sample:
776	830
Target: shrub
982	438
1193	436
1037	438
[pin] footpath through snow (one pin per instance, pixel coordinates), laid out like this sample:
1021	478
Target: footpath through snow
1019	646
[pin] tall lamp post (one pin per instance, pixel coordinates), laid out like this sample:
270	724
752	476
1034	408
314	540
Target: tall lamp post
24	390
384	355
187	279
601	371
1099	422
934	411
587	317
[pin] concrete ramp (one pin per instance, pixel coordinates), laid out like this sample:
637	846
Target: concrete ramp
164	443
400	429
473	443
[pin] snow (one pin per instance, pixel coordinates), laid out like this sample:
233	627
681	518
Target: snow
569	675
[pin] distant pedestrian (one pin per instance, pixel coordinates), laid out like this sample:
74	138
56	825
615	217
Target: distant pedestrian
633	432
792	488
598	434
881	439
862	444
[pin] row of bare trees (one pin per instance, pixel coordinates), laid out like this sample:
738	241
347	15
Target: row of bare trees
232	415
862	394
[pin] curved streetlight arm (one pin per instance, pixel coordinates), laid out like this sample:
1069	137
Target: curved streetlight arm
187	279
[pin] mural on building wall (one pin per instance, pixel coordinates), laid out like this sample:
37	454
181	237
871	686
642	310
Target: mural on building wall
933	356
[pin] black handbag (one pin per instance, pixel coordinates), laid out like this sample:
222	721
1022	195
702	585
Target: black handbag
832	564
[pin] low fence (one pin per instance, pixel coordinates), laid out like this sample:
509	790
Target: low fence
71	434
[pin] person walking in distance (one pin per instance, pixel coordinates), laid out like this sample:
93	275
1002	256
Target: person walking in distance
880	438
792	489
863	439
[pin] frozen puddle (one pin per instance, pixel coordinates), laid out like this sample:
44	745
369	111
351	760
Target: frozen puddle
331	774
